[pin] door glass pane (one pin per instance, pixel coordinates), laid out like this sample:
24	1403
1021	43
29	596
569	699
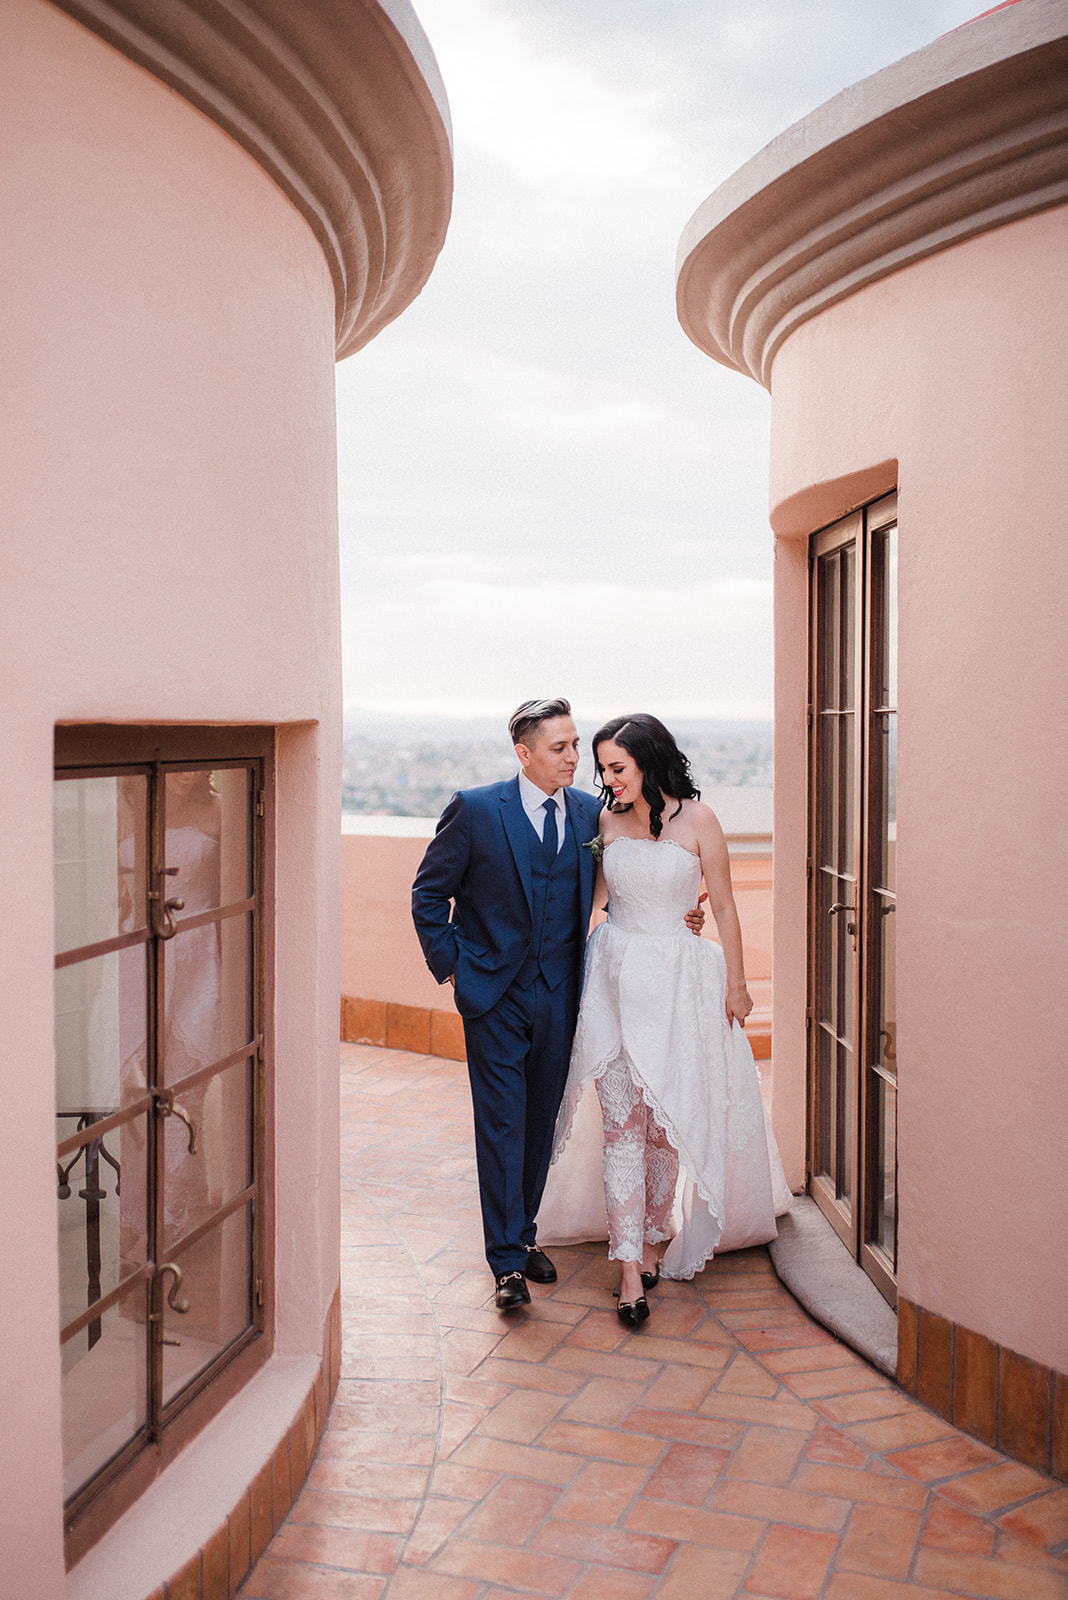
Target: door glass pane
100	1033
827	952
847	605
216	1279
847	1128
99	829
104	1392
829	641
883	1231
890	586
847	850
847	979
829	789
824	1161
886	998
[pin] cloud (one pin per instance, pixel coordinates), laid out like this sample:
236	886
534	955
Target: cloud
605	645
535	443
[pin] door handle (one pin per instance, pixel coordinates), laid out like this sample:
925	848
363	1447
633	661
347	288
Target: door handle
166	925
166	1107
181	1306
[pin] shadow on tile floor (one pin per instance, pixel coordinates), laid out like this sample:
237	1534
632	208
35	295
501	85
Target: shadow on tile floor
730	1448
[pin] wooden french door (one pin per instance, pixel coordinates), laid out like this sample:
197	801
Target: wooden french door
852	848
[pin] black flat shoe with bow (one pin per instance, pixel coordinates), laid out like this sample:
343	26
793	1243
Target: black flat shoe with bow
633	1312
651	1279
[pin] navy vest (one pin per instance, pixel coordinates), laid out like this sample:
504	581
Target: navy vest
556	910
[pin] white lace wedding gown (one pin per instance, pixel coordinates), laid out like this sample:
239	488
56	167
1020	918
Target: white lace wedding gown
654	995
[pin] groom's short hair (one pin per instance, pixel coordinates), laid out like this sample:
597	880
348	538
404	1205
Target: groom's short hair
526	718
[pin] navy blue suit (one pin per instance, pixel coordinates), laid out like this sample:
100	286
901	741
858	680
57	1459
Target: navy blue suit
513	938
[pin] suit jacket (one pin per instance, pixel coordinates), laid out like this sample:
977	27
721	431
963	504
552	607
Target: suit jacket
479	859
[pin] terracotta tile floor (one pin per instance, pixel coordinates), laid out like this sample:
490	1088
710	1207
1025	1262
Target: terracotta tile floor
730	1448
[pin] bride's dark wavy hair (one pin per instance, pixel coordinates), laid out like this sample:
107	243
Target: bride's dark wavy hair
665	770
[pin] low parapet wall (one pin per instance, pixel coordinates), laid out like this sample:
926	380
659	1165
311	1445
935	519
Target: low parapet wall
390	998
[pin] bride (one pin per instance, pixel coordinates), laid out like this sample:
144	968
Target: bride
660	1038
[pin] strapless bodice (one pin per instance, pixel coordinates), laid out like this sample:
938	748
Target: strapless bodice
652	883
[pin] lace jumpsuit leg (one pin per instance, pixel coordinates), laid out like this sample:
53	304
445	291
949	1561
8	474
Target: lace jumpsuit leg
640	1167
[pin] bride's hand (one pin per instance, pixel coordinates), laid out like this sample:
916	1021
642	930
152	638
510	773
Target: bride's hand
739	1003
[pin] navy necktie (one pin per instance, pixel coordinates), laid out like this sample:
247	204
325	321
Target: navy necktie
550	838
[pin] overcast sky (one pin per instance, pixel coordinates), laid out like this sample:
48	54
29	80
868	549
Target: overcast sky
544	487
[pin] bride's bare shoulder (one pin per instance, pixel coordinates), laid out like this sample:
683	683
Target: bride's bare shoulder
608	824
699	817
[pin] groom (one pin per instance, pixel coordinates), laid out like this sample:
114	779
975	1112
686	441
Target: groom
509	857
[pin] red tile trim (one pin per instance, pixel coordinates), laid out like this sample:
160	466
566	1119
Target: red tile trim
218	1570
440	1033
1004	1399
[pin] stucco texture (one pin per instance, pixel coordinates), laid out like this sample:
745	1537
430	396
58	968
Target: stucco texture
954	369
170	556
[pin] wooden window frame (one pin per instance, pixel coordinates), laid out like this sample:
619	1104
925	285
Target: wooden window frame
81	749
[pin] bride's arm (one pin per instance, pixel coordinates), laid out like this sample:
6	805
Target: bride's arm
716	866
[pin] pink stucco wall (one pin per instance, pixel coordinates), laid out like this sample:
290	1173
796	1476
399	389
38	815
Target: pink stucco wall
954	368
170	555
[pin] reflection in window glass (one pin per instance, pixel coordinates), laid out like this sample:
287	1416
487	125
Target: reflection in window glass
104	1400
215	1282
99	859
100	1032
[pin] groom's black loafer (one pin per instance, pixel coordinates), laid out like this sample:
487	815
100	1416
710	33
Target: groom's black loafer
512	1291
539	1269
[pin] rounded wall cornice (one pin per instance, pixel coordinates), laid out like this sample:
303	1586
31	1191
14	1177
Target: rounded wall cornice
963	136
341	104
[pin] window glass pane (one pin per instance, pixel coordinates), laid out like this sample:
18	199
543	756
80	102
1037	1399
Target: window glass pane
102	1237
208	837
235	789
207	994
100	1032
216	1283
104	1389
194	826
99	834
197	1183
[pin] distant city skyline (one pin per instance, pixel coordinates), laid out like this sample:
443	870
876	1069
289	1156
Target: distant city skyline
411	766
544	488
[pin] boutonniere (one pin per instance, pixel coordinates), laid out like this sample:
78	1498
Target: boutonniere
595	846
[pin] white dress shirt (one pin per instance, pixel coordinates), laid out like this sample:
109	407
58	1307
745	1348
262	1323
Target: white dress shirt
534	800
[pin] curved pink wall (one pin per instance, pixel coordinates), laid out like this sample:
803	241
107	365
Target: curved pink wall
170	555
955	368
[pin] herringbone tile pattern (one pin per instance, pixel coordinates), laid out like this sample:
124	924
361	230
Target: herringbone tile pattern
730	1448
